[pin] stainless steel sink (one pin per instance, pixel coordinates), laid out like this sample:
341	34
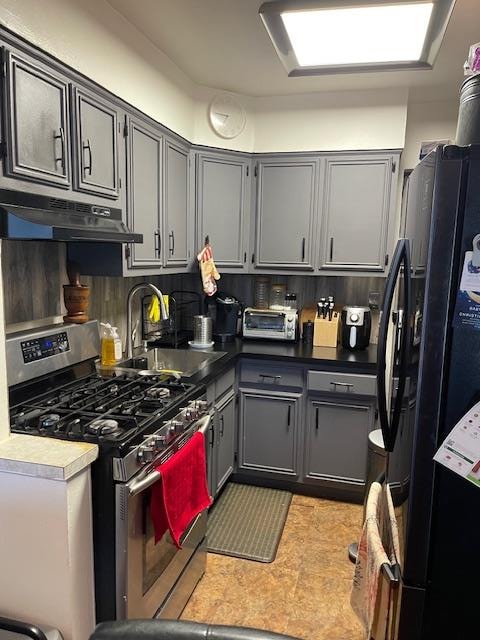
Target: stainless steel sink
185	361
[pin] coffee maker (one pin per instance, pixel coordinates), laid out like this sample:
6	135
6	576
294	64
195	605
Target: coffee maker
226	316
356	327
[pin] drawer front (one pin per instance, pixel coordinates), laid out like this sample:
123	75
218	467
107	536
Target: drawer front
224	383
271	375
355	384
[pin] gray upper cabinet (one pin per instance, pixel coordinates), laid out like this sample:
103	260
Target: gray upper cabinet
222	196
96	131
269	425
37	124
337	441
144	161
358	207
286	213
176	232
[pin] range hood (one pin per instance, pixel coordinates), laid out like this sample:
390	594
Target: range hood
27	216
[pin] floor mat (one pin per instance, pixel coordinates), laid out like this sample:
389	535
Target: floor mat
247	522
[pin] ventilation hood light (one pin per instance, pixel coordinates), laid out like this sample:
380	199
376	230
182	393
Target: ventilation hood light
346	36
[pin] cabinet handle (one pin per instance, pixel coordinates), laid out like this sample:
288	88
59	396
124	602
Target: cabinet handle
222	425
342	384
316	419
303	249
289	415
89	149
269	375
331	249
157	243
171	236
61	137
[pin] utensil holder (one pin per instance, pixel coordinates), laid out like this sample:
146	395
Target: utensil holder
326	332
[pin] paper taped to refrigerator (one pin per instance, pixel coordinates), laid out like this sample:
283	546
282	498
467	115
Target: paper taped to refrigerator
467	310
460	450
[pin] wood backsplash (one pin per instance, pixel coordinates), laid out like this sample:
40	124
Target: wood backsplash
34	274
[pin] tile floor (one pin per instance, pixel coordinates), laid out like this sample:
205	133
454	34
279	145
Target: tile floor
305	592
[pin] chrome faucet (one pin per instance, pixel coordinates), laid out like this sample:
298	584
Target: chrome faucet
131	294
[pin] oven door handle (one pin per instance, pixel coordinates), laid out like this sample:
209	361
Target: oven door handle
137	485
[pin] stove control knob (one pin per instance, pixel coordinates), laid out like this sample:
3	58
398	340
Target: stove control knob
146	453
178	426
159	442
188	415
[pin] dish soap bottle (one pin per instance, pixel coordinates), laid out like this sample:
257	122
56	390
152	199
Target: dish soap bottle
111	345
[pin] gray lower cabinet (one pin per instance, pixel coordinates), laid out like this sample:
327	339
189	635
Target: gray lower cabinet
37	123
359	199
96	132
176	233
224	441
269	432
287	212
336	441
145	202
222	207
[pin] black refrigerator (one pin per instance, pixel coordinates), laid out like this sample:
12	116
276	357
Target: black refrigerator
428	378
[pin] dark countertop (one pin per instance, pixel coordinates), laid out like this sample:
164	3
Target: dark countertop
328	358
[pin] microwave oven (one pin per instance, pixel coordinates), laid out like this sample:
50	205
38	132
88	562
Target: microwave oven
270	324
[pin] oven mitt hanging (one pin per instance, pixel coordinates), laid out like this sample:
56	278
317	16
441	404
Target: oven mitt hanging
208	270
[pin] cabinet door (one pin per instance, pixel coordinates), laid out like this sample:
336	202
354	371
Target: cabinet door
176	207
36	114
356	211
145	193
286	214
225	441
96	145
337	441
268	438
222	208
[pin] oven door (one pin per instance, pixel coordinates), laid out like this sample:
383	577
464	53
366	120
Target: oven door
153	579
264	324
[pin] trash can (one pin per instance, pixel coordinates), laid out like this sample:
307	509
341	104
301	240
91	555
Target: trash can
468	127
376	466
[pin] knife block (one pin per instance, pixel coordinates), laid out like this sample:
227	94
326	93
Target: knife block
326	332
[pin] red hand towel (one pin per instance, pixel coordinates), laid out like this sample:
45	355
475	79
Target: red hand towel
182	492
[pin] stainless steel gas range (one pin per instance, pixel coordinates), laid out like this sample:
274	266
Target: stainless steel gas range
137	422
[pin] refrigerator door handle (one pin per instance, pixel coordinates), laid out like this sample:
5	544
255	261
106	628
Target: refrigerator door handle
385	425
404	344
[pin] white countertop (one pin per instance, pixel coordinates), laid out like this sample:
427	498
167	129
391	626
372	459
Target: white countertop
45	457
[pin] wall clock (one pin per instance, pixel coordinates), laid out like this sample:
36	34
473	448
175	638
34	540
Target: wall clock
227	116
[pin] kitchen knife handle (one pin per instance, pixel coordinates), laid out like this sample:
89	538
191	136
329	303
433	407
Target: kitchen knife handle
303	249
316	419
61	137
289	414
331	249
89	149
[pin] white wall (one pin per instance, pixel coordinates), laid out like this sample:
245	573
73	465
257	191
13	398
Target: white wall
46	553
96	40
428	121
331	121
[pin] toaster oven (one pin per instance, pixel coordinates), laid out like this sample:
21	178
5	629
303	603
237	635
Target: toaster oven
270	324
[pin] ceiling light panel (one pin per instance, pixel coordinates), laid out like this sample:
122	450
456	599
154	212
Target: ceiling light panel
313	37
360	35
